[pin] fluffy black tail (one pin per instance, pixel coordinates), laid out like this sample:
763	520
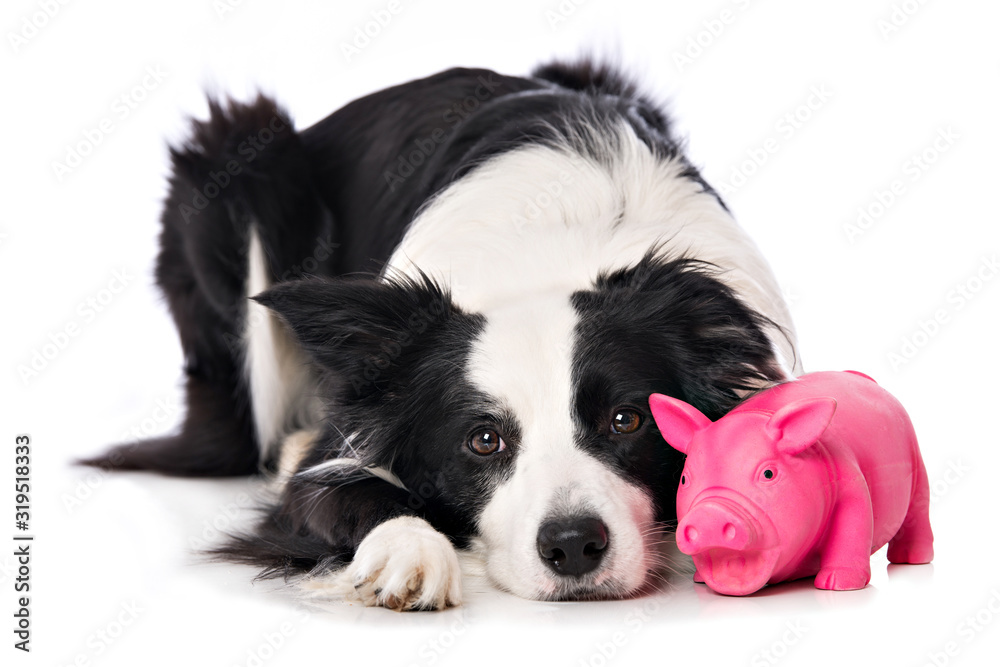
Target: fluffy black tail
244	167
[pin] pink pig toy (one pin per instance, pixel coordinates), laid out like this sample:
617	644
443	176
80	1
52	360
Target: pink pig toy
810	477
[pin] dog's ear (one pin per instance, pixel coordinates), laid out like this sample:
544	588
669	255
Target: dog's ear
726	350
358	330
707	344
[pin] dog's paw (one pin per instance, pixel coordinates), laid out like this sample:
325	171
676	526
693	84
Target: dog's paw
404	564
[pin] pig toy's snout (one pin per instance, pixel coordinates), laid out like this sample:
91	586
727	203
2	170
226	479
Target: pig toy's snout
733	552
715	524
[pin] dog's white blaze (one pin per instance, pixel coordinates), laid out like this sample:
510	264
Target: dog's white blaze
524	359
280	383
541	219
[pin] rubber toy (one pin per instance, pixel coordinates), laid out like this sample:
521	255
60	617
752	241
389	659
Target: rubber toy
809	477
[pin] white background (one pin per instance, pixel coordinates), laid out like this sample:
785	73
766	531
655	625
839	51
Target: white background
116	550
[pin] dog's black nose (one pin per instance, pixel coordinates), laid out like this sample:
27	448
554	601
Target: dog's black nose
572	546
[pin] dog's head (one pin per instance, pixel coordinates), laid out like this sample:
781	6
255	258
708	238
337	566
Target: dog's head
526	427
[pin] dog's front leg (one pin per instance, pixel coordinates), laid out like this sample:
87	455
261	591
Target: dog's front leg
400	561
404	564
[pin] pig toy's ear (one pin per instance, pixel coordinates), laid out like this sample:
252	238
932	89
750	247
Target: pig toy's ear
677	421
798	425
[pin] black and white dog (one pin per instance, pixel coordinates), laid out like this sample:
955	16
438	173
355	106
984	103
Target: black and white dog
438	314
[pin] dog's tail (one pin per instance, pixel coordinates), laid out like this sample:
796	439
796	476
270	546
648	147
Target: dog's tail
243	212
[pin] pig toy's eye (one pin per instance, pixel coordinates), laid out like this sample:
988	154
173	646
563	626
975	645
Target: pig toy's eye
685	478
768	474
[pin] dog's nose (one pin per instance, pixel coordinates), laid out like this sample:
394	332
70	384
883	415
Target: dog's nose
573	546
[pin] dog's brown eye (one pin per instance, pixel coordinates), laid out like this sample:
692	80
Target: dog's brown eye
626	421
486	442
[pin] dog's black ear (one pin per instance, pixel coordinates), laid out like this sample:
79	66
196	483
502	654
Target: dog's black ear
728	352
712	347
357	330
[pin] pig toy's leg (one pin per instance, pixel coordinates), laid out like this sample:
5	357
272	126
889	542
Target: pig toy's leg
914	542
845	563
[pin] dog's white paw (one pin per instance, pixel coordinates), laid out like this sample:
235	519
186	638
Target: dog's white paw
403	564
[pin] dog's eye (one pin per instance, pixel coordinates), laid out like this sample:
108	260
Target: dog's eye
486	442
626	421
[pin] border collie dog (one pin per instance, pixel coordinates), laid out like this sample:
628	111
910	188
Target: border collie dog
436	316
